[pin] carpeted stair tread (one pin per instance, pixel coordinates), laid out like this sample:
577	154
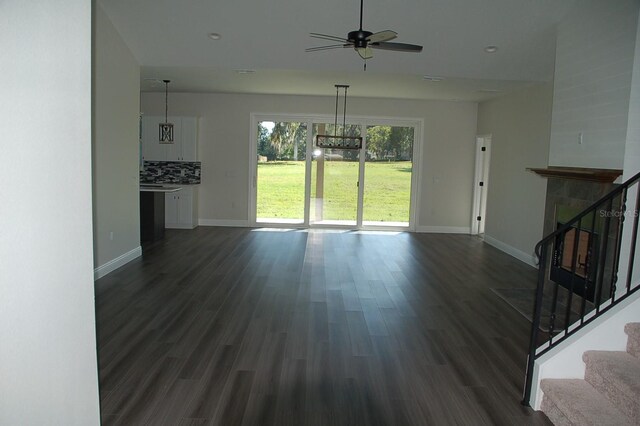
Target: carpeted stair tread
633	341
617	376
579	403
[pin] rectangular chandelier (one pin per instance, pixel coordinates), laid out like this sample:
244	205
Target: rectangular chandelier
339	142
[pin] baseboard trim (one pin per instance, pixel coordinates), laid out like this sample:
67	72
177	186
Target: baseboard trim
529	259
224	222
179	226
444	229
119	261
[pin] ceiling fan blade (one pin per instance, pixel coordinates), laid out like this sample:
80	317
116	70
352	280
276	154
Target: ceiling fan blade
364	52
331	46
381	36
327	37
400	47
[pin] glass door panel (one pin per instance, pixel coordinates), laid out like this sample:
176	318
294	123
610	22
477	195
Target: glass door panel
334	180
388	168
280	179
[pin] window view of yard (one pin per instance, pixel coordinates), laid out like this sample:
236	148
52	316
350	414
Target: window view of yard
281	176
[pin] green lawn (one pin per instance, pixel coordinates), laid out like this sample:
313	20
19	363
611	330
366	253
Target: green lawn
386	197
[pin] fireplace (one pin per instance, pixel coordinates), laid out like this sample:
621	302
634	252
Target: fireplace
569	192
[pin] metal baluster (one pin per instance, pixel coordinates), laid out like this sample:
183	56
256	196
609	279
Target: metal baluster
592	253
574	264
616	248
634	238
603	255
535	326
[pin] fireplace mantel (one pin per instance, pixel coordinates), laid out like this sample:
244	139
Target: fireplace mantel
580	173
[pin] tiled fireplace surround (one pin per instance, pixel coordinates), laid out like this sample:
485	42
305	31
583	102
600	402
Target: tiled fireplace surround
576	195
573	193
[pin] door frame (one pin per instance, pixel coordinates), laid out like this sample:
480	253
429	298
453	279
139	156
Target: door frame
481	174
363	121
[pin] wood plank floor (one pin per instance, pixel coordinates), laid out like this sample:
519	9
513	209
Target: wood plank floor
232	326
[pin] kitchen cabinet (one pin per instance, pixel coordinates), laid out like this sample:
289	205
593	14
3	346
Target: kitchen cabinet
181	208
185	136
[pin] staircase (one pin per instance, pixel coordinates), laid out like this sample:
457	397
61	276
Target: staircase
609	393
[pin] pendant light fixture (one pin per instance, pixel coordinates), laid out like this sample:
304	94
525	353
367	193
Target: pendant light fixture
166	128
339	141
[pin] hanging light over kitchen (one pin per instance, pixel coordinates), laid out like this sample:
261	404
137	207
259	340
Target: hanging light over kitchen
166	128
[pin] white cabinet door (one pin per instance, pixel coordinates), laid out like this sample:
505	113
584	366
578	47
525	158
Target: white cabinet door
152	149
171	209
174	150
180	209
185	208
189	138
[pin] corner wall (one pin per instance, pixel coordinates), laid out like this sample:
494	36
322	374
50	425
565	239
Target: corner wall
519	124
116	149
48	365
223	147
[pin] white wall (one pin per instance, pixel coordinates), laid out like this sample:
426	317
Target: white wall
116	149
594	60
48	368
448	150
632	148
519	124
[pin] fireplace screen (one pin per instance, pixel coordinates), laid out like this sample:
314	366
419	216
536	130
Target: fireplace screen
562	265
582	252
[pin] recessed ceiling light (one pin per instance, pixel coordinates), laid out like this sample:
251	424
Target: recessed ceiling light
491	49
215	36
432	78
244	71
489	90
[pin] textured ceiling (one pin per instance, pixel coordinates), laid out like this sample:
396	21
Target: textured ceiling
169	39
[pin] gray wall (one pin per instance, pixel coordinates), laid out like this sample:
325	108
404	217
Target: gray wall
116	147
447	151
594	61
519	124
48	368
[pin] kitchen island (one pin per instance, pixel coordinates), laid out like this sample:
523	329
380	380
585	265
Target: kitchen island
152	211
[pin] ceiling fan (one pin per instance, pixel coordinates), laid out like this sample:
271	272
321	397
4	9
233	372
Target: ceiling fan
364	41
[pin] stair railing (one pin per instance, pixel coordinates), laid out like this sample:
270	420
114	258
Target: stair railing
579	269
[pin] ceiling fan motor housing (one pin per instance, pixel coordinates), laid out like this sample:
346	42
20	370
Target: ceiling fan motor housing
359	38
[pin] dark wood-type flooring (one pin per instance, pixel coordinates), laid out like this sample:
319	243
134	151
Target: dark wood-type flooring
233	326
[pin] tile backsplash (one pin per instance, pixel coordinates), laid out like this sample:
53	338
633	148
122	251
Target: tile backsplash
181	172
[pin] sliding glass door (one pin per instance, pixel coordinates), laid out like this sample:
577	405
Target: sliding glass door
299	183
281	165
388	170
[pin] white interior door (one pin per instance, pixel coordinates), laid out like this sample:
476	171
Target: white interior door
481	184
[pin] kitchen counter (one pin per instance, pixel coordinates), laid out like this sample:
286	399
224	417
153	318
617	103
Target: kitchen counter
159	188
